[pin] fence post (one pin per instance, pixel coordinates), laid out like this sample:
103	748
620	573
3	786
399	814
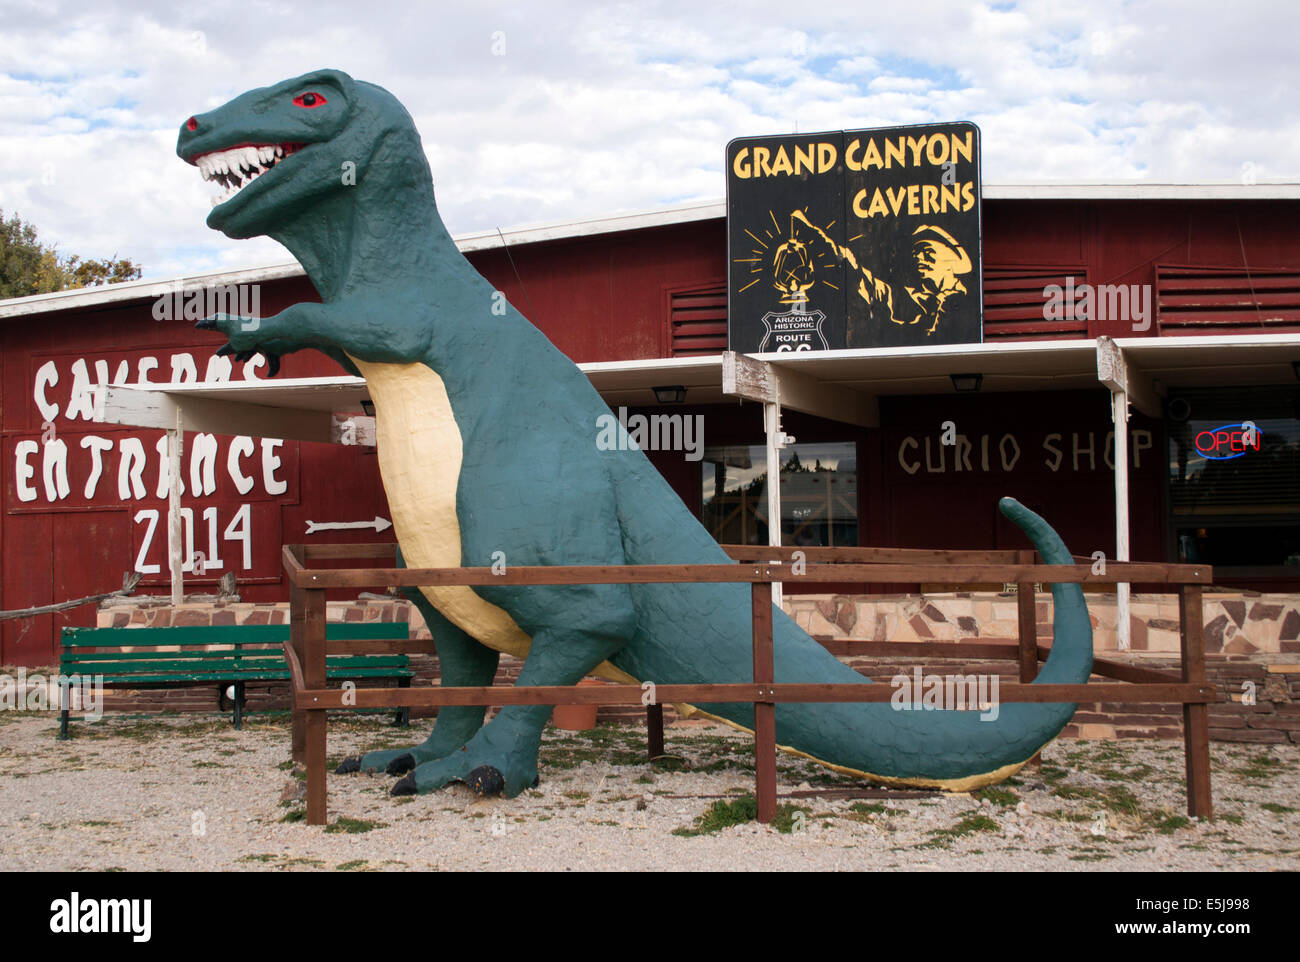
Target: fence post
654	728
313	673
764	711
1027	613
1196	716
297	626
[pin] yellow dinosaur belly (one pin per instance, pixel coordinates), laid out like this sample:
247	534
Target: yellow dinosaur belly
420	453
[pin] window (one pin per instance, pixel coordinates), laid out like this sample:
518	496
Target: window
819	494
1234	499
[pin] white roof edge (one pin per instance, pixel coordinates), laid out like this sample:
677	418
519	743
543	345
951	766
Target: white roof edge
135	290
341	381
703	362
680	214
1144	190
638	220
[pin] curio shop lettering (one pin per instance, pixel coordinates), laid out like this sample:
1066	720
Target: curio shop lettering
990	453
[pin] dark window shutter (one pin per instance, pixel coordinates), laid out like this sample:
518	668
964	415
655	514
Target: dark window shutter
697	320
1014	303
1218	300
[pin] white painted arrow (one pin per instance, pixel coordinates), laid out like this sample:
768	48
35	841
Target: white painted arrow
379	524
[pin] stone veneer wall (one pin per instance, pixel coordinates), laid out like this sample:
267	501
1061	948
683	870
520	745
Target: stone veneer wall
1249	637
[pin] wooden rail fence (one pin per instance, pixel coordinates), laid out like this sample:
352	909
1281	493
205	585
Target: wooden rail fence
760	567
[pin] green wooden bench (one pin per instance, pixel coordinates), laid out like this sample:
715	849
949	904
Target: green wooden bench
222	655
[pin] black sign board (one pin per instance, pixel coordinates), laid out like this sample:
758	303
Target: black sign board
854	238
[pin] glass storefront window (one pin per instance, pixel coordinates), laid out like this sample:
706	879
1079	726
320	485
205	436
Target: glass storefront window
819	494
1234	493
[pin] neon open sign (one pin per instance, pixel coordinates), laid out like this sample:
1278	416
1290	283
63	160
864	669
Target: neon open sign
1228	442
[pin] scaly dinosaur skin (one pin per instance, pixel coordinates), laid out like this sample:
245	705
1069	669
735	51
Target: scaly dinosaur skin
487	442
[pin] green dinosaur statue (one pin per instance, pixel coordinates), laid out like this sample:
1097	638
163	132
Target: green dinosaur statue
487	443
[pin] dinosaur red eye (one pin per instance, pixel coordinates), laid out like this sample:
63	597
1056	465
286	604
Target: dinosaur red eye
192	123
309	100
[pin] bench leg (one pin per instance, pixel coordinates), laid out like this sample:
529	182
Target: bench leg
403	719
63	724
239	705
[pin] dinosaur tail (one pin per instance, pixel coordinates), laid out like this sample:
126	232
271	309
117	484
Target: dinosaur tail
700	633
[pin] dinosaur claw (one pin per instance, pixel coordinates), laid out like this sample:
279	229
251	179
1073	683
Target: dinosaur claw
207	324
401	764
245	355
486	780
272	365
405	787
349	765
225	349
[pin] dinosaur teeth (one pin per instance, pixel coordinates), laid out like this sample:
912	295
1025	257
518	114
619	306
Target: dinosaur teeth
236	167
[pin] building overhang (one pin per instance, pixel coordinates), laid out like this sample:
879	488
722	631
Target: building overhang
843	385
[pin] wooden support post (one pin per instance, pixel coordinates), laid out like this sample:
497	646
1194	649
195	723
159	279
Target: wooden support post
1027	613
1196	717
654	730
297	638
175	560
313	673
764	712
775	442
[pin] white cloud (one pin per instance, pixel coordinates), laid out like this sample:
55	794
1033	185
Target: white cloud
589	110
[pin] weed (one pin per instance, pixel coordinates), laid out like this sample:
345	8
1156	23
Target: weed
1002	797
944	837
1168	824
724	814
867	811
1261	767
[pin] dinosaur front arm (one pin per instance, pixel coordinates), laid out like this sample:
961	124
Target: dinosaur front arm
340	329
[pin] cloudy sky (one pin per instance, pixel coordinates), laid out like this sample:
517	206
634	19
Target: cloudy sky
554	111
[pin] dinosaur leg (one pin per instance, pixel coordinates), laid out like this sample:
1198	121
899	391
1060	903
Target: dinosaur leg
463	661
502	756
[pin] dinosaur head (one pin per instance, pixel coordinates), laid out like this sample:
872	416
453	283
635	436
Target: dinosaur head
279	154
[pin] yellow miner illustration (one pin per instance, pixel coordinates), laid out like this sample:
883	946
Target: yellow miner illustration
938	257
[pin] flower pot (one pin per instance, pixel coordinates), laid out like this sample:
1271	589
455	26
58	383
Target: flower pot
577	718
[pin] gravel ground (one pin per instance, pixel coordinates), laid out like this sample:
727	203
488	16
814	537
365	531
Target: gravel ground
189	792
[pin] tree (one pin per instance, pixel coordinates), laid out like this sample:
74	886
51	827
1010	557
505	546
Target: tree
29	267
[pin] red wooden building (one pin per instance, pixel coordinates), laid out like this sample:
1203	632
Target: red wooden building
1219	267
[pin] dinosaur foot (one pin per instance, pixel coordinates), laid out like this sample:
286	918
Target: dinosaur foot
393	761
401	764
484	770
482	781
